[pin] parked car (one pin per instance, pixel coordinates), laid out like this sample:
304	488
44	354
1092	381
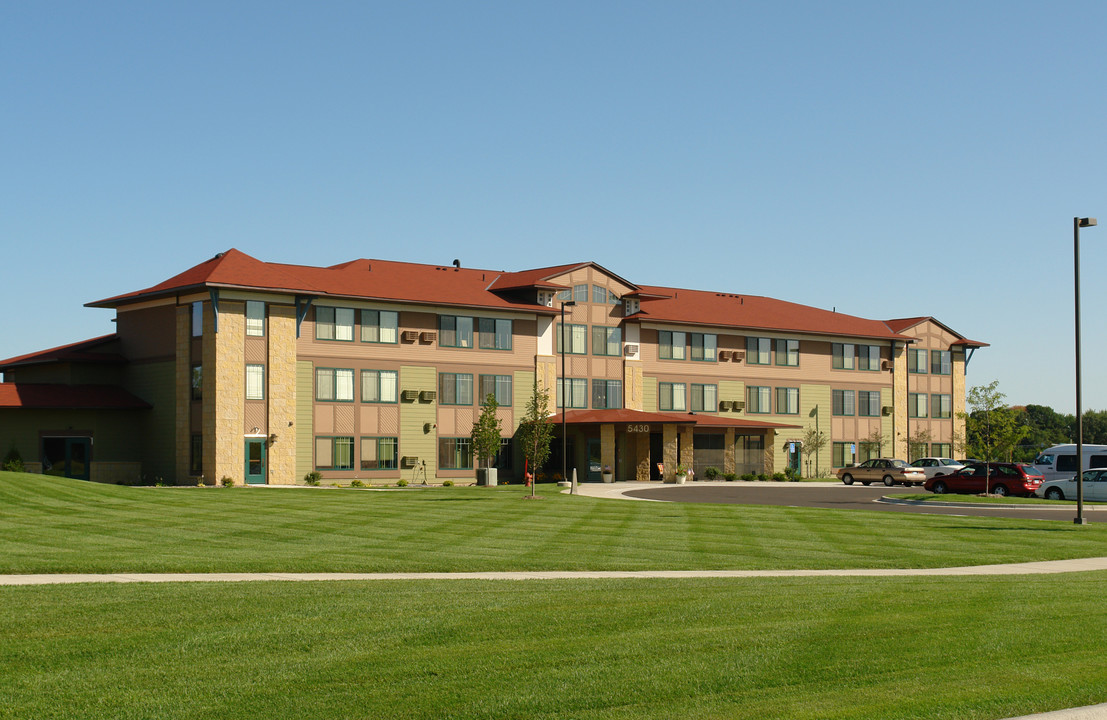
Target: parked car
934	466
890	471
1095	487
995	478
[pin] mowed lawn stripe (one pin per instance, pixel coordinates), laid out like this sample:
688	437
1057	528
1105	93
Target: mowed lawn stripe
52	525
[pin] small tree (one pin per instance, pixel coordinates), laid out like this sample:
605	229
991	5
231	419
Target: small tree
485	438
535	431
813	443
917	444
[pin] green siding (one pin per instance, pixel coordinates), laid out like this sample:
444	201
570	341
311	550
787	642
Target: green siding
413	415
305	421
810	397
522	385
156	384
649	394
732	390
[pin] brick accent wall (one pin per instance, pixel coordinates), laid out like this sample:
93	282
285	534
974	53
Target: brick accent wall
224	392
281	394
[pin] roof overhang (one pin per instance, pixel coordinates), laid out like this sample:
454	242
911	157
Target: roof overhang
639	417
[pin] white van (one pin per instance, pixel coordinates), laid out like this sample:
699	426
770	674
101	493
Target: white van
1059	462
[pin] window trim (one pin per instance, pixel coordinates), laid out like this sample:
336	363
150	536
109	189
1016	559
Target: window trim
667	345
379	327
395	465
787	352
380	374
255	326
463	448
754	353
844	411
333	323
705	354
755	408
457	379
334	384
697	392
569	329
334	446
787	392
260	380
608	332
661	396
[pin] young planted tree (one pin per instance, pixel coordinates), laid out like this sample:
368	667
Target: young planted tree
485	437
535	432
813	443
917	444
875	441
992	429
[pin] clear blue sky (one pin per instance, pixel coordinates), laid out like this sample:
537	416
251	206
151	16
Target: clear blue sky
886	159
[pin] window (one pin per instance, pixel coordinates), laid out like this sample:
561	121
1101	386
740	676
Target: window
578	392
671	396
334	323
916	361
757	351
564	295
380	326
787	401
868	357
197	381
455	331
941	450
916	405
758	399
671	345
842	402
599	294
704	347
379	386
607	394
255	318
335	385
379	453
576	336
705	398
255	382
843	356
455	389
580	293
868	403
334	453
940	362
607	341
842	454
455	454
196	455
941	406
498	386
197	319
495	334
503	460
788	352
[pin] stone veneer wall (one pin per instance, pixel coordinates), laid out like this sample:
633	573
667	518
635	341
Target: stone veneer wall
281	394
224	392
898	445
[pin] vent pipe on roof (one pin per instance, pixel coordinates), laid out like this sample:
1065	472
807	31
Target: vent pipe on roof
457	264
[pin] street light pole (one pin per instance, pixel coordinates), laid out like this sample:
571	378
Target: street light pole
565	404
1078	223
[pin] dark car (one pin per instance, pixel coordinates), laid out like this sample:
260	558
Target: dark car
995	478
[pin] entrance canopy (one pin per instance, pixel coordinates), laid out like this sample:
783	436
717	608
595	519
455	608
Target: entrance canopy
638	417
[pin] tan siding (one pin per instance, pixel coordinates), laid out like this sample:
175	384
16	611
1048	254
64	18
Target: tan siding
413	415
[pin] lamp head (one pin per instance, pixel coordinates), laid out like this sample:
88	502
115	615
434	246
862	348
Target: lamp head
1085	222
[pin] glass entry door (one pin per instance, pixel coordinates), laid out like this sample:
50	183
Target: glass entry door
255	461
594	464
67	457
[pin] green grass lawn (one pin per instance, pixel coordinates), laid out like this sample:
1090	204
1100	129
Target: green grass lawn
926	647
989	499
875	648
59	525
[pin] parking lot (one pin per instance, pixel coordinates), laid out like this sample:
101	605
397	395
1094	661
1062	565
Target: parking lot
841	497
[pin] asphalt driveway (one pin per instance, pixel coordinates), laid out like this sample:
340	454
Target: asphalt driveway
837	496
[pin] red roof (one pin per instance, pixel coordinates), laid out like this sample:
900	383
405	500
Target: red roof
904	323
701	307
587	417
84	351
370	279
68	397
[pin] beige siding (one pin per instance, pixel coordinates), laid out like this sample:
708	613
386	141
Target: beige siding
414	442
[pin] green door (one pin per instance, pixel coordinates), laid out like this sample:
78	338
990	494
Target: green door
255	461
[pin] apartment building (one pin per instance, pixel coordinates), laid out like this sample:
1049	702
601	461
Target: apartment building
377	370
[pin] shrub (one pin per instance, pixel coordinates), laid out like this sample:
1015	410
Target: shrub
447	483
762	477
748	477
357	483
401	483
13	461
779	477
313	478
730	477
226	481
711	472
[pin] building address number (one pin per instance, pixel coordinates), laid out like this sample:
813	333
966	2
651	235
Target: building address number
638	428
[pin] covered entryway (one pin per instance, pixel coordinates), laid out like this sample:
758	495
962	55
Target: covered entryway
69	457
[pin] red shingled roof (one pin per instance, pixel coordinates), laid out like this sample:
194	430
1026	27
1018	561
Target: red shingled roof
587	417
369	279
68	397
84	351
700	307
901	324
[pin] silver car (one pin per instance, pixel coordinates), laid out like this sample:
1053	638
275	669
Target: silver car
935	466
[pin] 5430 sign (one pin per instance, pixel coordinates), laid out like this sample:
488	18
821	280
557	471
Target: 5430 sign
638	428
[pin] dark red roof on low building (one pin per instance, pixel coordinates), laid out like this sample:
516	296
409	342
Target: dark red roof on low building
48	396
85	351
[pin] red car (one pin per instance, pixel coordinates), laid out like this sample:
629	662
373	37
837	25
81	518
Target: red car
1000	478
